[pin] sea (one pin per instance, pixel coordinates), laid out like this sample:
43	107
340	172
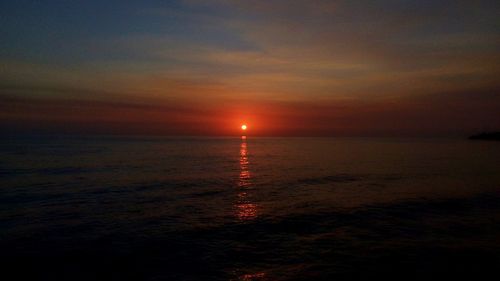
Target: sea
248	208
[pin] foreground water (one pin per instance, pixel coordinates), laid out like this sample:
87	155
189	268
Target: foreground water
102	208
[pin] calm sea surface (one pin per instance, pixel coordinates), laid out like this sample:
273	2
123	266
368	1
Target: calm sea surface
117	208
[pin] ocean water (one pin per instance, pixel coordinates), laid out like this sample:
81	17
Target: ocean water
153	208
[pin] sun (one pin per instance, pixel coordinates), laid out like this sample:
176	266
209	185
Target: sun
244	127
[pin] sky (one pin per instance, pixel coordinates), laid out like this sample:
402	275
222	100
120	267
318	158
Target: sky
284	68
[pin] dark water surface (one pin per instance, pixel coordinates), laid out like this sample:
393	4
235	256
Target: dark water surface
103	208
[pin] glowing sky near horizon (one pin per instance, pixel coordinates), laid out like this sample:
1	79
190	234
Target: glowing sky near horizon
286	67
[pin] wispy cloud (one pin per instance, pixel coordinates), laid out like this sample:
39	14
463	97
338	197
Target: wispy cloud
373	59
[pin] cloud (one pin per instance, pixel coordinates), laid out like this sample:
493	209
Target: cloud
327	67
433	114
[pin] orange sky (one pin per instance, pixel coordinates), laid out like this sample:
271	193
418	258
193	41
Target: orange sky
292	68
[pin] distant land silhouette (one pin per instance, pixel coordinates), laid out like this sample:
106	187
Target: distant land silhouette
486	136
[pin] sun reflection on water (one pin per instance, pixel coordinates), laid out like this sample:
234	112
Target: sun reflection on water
254	276
245	209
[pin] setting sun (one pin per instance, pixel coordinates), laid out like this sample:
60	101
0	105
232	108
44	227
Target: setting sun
243	127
